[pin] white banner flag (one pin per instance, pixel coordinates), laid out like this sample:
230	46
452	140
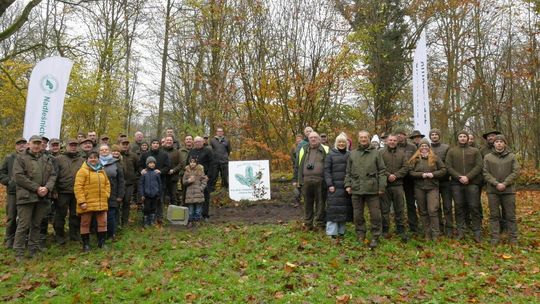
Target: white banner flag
45	100
420	87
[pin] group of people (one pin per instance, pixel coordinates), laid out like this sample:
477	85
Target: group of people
417	179
96	181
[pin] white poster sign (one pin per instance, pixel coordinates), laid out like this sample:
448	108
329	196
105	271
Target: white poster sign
45	100
420	88
249	180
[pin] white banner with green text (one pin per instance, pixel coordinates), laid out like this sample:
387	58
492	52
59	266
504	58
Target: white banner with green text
45	100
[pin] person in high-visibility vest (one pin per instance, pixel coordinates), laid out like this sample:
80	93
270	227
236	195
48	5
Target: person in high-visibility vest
309	174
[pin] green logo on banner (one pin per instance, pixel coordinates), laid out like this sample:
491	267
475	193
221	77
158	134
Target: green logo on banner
49	84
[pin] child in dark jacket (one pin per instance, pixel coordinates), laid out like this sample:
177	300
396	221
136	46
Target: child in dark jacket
194	181
150	191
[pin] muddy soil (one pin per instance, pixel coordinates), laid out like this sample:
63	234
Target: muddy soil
281	208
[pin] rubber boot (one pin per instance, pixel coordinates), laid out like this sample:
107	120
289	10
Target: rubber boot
145	221
86	242
101	239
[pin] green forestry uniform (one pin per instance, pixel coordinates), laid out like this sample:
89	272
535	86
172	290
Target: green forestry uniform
366	176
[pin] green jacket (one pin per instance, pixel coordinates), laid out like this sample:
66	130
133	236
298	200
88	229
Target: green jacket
422	166
501	168
486	150
395	162
6	173
130	164
177	163
366	172
464	160
68	164
184	152
299	168
26	168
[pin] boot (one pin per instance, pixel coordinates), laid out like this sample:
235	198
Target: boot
151	219
145	221
86	242
374	243
101	239
477	237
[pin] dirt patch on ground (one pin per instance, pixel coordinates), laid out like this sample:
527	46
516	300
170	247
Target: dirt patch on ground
281	208
268	212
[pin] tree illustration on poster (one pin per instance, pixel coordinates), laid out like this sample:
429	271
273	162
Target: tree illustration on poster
249	180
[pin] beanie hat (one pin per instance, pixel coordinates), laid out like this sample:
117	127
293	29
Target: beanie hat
436	131
500	137
424	141
463	132
150	159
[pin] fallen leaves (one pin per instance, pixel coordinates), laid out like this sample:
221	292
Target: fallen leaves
190	297
506	256
343	299
5	277
290	267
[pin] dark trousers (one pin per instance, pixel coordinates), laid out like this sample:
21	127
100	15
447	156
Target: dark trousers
150	204
206	204
374	206
28	227
394	196
412	218
428	207
314	204
159	206
44	226
467	194
446	207
219	169
111	221
502	206
171	191
126	205
66	202
11	220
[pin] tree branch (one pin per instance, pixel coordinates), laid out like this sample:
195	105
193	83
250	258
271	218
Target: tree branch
20	21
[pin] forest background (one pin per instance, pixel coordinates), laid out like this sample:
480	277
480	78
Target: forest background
266	69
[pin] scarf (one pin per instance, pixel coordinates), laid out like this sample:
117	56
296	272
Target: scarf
96	167
105	160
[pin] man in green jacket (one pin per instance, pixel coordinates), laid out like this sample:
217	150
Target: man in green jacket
396	170
500	172
35	177
365	180
408	181
464	164
173	175
68	164
445	192
184	152
130	163
6	178
309	175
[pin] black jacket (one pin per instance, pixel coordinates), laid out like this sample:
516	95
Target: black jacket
203	156
163	163
221	148
338	205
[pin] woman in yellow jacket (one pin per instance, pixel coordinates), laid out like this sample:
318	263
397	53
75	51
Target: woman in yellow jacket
92	190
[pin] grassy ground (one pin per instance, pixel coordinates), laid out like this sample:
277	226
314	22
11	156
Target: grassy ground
237	263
